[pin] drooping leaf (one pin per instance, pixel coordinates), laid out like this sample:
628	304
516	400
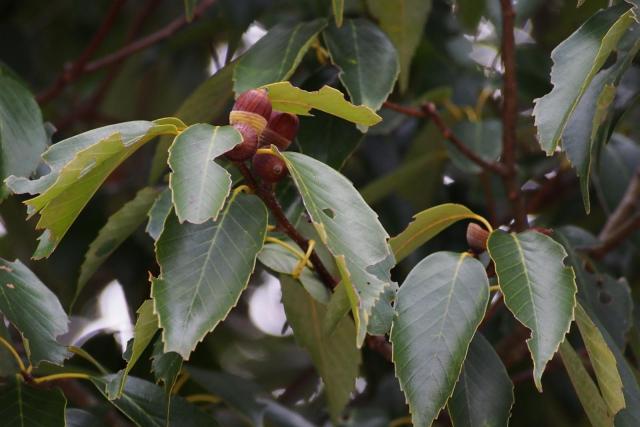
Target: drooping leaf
603	362
587	391
484	393
575	63
283	261
118	228
355	238
335	356
538	289
143	332
482	137
288	98
204	269
199	186
439	307
275	56
404	22
79	165
426	225
583	132
338	11
166	368
357	48
143	403
158	214
24	406
22	134
34	310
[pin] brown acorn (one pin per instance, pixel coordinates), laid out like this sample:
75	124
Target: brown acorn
269	167
477	237
247	148
253	107
281	129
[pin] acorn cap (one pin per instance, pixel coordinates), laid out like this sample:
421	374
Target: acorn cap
247	148
269	167
477	237
254	101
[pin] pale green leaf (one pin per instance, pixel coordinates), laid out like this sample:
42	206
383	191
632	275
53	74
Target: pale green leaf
118	228
603	362
356	238
484	393
575	63
357	48
203	270
22	134
275	56
439	307
335	356
158	214
404	21
427	224
25	406
338	11
79	166
538	289
34	310
588	394
287	98
200	186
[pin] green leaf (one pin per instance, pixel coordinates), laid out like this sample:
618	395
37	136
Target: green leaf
482	137
404	22
22	134
283	261
584	129
338	11
603	362
205	104
335	356
275	56
143	403
145	328
357	48
79	166
290	99
199	186
81	418
34	310
118	228
538	289
203	270
356	238
166	368
158	214
439	307
484	393
427	224
8	365
24	406
188	8
588	394
575	63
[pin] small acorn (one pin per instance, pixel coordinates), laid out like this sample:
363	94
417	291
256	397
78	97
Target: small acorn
269	167
247	148
252	107
477	237
281	129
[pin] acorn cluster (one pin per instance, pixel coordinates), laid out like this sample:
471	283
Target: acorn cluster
260	126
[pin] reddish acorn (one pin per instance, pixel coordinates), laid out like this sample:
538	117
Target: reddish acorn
269	167
247	148
477	237
252	107
281	129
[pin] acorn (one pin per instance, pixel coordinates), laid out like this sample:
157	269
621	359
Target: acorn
269	167
281	129
247	148
253	108
477	237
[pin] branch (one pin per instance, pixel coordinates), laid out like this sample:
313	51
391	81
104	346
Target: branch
510	116
625	208
75	70
429	111
616	237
